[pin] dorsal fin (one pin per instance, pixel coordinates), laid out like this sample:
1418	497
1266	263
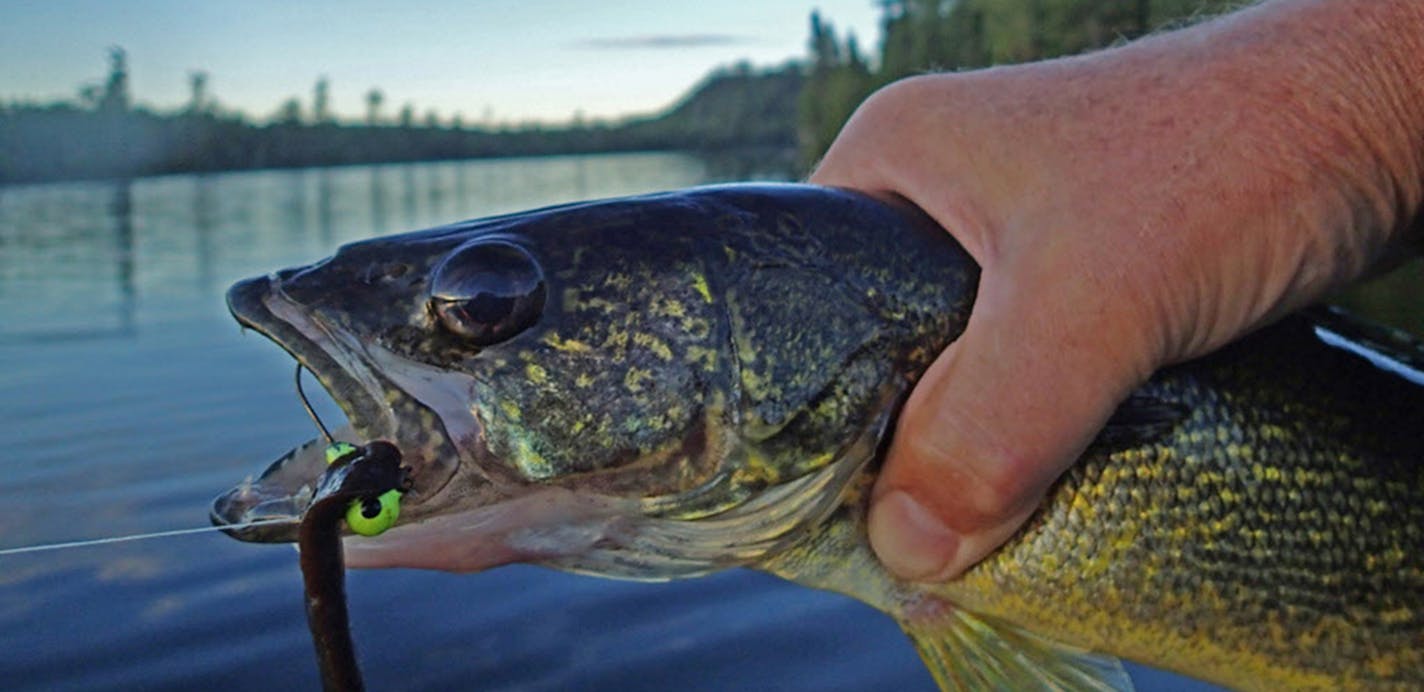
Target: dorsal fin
966	652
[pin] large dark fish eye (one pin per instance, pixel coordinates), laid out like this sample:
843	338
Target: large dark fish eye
488	291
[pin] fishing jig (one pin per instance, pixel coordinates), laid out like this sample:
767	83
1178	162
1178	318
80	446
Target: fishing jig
365	484
370	515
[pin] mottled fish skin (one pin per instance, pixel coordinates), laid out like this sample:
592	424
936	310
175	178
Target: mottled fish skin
1271	538
712	375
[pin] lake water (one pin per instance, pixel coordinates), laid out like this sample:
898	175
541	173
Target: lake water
128	399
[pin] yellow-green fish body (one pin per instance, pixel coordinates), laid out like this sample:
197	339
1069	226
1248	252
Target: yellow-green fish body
668	385
1266	534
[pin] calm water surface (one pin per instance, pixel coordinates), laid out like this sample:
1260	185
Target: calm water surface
128	399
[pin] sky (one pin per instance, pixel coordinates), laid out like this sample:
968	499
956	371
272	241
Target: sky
493	61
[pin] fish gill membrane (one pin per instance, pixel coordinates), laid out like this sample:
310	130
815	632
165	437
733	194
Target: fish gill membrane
668	385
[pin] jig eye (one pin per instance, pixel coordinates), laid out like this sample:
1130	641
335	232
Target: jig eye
488	291
369	516
373	515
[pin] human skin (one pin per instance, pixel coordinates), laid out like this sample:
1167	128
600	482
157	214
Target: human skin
1130	208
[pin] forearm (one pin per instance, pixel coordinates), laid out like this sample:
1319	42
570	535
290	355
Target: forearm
1333	92
1310	117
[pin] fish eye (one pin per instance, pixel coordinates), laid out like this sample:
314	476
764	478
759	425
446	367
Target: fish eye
488	291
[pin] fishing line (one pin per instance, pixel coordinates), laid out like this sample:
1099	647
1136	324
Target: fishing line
306	405
139	537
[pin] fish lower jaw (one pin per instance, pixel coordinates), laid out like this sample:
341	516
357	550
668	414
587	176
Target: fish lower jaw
544	525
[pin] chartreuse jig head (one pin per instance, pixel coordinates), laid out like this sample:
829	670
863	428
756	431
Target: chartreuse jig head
368	516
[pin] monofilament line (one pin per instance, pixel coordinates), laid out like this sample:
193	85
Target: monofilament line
138	537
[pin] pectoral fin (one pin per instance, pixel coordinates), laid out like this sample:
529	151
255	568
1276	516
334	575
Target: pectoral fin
966	652
1141	419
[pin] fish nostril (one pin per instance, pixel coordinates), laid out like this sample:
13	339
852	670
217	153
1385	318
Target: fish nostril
385	272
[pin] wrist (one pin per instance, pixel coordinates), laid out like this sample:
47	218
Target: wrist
1316	113
1397	91
1338	86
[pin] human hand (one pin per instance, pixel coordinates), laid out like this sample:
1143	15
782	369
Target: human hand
1129	209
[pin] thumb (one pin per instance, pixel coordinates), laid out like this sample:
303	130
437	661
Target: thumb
994	421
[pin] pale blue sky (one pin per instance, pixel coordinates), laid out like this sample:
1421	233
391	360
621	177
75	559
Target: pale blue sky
516	60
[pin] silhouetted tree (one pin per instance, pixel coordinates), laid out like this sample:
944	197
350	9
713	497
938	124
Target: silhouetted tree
374	99
116	89
836	81
407	116
197	91
89	96
290	113
321	101
921	35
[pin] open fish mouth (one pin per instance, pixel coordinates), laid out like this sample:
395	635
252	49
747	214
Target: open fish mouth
262	305
284	489
275	500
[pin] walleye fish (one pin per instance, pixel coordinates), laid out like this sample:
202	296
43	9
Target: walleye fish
668	385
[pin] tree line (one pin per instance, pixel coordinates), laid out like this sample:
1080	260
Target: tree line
939	35
103	134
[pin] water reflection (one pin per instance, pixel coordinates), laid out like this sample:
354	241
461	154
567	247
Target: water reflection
408	192
65	279
121	210
293	203
325	216
377	195
773	164
204	225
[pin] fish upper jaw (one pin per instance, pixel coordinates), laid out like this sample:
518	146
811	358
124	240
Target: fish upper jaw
261	304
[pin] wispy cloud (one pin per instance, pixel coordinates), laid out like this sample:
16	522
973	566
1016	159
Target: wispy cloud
663	41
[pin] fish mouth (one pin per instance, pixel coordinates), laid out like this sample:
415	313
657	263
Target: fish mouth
279	496
260	304
268	509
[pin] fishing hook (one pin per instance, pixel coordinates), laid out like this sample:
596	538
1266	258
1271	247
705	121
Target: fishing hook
308	407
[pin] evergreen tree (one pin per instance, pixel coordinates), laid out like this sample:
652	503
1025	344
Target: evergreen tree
374	99
116	90
932	35
290	113
197	92
837	79
321	101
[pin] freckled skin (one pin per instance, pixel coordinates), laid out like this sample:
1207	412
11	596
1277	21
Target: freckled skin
702	349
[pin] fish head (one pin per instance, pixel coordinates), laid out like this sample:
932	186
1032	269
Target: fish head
609	387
